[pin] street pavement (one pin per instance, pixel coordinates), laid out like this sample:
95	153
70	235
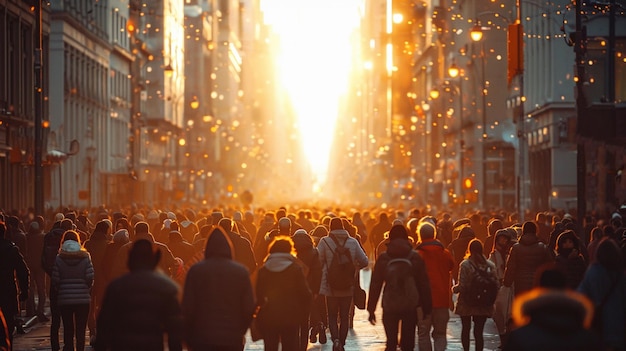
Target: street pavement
364	336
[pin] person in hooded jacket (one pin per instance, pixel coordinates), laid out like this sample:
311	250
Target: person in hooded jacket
307	253
283	295
218	302
338	302
72	278
400	247
243	248
439	266
96	246
141	306
525	259
569	259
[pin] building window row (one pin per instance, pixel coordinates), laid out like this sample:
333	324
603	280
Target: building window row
85	78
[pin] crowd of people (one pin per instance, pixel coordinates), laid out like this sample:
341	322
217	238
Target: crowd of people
139	279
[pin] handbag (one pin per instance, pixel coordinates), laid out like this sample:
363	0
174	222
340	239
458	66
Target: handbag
359	297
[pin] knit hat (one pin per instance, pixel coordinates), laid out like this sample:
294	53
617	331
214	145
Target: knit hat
121	236
529	228
59	217
398	232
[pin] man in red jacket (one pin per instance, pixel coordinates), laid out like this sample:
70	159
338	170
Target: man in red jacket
439	265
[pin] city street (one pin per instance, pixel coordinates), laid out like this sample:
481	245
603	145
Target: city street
364	336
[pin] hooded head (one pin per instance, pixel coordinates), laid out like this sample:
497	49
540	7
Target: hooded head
336	223
226	224
398	231
143	256
529	228
563	248
284	225
218	244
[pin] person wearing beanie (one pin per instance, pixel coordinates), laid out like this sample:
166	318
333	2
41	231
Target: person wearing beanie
283	296
525	259
217	316
73	277
140	307
399	247
339	300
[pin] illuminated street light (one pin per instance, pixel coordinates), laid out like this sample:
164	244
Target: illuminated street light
453	70
434	94
195	103
169	70
476	33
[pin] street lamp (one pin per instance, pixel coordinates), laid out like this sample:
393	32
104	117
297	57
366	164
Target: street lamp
169	70
453	70
476	33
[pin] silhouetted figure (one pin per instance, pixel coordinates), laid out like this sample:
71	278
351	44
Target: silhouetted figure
218	302
141	306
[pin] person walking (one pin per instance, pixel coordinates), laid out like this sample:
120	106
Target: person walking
335	247
439	266
96	246
504	240
217	316
407	287
465	308
14	279
141	306
72	278
525	259
283	296
34	242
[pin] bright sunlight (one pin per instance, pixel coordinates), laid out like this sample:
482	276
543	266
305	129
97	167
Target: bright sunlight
314	62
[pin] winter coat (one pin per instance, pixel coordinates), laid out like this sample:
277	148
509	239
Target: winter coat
51	245
439	266
327	247
400	248
551	320
137	309
466	272
596	284
34	244
282	292
218	302
12	270
573	266
72	275
243	251
525	259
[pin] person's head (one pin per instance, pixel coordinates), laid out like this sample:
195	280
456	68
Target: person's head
609	255
67	224
475	250
398	232
566	242
426	231
494	226
143	256
529	228
102	227
218	244
503	238
336	223
282	244
319	232
284	225
70	235
122	223
142	228
549	276
226	224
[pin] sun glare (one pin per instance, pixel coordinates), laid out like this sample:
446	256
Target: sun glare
314	61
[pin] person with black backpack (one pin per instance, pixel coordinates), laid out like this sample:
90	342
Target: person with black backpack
477	288
342	257
406	287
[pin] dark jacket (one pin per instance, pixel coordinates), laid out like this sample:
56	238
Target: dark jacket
34	243
167	263
179	247
137	309
12	269
51	246
218	302
282	292
308	254
72	275
554	322
400	248
243	251
458	248
525	259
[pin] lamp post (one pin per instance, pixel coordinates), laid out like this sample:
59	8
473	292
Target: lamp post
454	71
476	35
